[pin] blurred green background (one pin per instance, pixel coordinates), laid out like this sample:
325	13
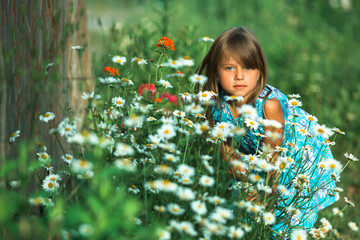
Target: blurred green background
312	48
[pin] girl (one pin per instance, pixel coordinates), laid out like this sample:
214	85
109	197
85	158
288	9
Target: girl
236	69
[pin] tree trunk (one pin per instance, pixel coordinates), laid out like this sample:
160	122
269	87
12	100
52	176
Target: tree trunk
33	36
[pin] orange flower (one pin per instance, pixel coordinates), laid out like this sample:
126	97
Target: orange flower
166	42
111	70
159	100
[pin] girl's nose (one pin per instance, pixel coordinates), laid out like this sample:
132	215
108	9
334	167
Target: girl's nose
239	74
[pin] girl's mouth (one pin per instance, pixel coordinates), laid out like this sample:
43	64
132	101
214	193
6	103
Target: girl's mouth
239	86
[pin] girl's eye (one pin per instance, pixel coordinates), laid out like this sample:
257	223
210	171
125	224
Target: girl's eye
247	68
229	68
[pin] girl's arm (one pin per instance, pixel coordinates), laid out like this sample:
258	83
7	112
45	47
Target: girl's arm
273	111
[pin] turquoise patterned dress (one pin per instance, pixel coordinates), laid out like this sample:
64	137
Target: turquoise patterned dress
314	150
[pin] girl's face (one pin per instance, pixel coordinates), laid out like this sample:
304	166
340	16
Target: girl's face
236	79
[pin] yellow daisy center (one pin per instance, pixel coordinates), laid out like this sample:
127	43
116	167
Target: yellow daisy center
13	134
320	130
50	185
118	102
83	163
46	114
204	95
44	156
282	166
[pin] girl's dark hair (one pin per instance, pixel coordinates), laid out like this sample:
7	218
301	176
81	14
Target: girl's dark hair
241	44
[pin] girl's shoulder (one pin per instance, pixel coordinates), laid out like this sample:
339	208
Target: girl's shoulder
268	93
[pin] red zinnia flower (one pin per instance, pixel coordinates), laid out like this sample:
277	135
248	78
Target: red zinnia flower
172	98
146	87
166	42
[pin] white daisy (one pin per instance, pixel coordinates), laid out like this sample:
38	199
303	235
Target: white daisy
206	181
163	169
165	185
353	226
165	83
199	207
206	39
108	80
312	118
119	59
86	230
151	119
316	233
269	218
179	114
139	61
187	61
282	189
200	79
77	47
123	149
186	170
248	111
134	120
234	98
185	194
175	209
294	102
298	234
202	127
350	203
336	211
160	209
166	131
224	213
14	135
235	232
294	96
126	81
332	164
216	200
174	63
204	96
47	117
50	186
251	123
336	130
351	157
322	130
253	208
164	235
90	96
186	96
171	157
255	178
80	166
